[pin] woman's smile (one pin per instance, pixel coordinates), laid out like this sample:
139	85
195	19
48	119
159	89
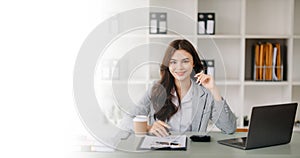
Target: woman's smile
181	65
180	73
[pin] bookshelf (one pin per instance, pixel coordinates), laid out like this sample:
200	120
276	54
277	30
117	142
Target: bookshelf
239	24
296	55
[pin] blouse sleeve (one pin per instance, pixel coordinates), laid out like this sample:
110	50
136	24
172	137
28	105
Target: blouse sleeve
222	116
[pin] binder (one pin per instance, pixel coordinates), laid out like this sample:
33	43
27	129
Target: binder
209	67
158	23
153	23
278	62
261	62
210	23
269	58
269	62
206	23
105	70
201	23
284	60
162	23
110	69
256	64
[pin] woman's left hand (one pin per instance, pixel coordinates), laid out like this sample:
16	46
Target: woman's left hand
206	80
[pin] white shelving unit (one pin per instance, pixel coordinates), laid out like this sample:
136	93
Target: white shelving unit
237	23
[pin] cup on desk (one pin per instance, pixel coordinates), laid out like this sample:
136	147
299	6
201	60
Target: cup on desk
140	125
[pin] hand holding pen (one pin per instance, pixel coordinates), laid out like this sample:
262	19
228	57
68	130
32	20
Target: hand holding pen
204	79
208	82
160	128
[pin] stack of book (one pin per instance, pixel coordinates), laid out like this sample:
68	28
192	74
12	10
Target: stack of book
268	62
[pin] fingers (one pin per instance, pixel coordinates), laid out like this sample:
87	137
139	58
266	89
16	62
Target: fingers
159	128
201	72
163	124
202	78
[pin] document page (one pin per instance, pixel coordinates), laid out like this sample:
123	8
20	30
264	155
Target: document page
170	142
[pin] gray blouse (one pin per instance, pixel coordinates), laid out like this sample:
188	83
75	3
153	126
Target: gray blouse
204	108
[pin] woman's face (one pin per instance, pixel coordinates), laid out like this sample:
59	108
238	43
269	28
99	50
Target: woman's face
181	65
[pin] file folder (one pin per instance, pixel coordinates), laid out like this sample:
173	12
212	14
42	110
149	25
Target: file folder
269	58
261	62
210	23
158	23
256	64
153	23
206	23
278	62
268	63
209	67
201	23
162	23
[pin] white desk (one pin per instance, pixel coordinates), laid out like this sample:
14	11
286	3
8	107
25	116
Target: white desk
197	149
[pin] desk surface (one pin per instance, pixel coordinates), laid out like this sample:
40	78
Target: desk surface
196	149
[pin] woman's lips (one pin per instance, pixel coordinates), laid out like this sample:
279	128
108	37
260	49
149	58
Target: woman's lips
180	73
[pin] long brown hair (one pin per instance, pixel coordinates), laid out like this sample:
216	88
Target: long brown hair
161	97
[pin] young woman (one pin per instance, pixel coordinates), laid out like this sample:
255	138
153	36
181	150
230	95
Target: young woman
184	99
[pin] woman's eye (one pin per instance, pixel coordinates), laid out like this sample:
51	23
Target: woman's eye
186	61
173	62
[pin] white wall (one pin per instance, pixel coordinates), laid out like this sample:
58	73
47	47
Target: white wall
39	44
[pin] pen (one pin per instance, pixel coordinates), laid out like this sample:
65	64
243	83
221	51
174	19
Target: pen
199	73
166	143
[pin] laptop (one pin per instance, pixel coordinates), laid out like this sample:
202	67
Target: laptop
269	125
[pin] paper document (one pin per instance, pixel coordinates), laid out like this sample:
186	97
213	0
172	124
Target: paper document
172	142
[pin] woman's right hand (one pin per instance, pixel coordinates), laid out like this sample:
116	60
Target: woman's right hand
160	129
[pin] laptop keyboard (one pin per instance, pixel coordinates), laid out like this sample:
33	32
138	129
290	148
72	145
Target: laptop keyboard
240	141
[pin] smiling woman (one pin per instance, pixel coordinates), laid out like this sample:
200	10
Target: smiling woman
181	65
181	101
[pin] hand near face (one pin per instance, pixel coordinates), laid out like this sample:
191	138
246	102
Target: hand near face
159	128
206	80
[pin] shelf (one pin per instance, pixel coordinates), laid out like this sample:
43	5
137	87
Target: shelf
267	36
180	16
229	83
266	83
219	36
239	24
228	14
249	55
153	36
296	36
268	17
223	52
296	83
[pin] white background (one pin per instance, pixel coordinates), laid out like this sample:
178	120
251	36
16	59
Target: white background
39	44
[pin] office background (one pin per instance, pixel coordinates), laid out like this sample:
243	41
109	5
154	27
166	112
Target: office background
41	41
238	24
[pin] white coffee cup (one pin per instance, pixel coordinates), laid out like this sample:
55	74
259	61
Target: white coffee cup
140	124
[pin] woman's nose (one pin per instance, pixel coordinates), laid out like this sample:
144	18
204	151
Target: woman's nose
179	65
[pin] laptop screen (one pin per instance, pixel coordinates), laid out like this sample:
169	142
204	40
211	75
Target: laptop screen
271	125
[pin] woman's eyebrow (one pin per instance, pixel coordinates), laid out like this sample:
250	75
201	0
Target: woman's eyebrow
181	59
186	59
